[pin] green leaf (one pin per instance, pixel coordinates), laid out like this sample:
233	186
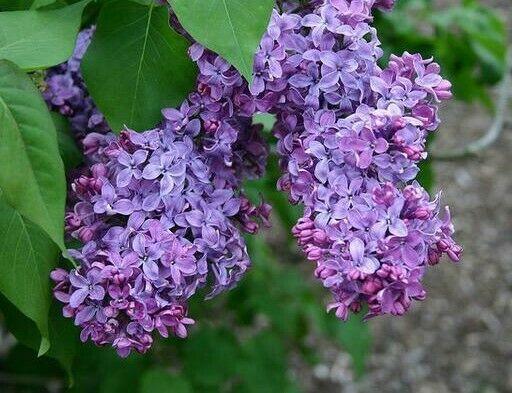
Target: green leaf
280	281
488	37
40	3
136	65
19	5
426	175
16	5
158	380
31	171
468	40
231	28
69	151
40	39
143	2
266	119
22	364
112	374
298	302
265	187
119	375
353	336
26	258
63	335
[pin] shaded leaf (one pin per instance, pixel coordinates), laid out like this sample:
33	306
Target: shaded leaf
209	356
426	175
265	187
23	363
264	355
62	334
158	380
118	375
101	370
136	65
355	338
299	302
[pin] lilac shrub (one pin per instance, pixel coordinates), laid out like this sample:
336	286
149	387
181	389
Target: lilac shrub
161	213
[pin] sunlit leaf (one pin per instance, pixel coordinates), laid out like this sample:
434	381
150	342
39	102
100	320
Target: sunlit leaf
39	39
26	258
28	146
69	151
231	28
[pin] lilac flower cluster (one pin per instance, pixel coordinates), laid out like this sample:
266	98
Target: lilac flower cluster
161	214
158	223
351	136
65	92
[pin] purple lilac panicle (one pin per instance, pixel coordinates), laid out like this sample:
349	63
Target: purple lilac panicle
161	214
350	136
157	223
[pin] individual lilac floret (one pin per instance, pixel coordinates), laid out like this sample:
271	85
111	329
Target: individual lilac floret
66	92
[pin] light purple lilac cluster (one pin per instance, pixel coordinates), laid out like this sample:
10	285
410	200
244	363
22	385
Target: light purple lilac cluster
161	214
350	136
65	92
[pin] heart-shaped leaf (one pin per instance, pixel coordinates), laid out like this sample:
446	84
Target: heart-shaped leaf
136	65
231	28
27	256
